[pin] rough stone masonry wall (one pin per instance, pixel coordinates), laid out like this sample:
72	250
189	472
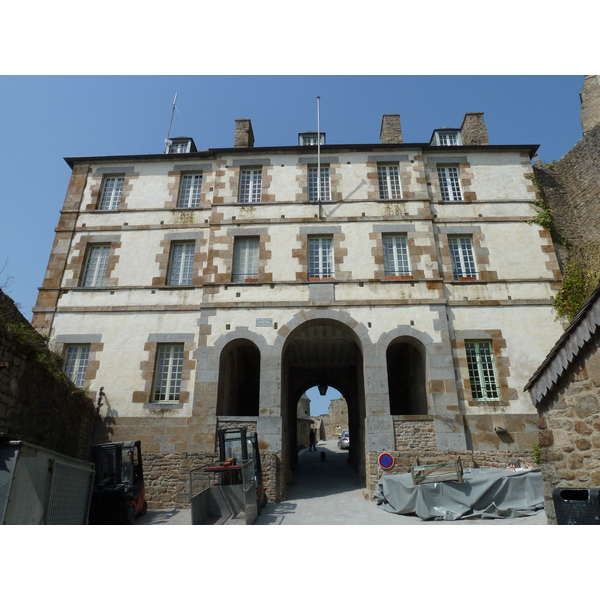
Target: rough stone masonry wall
166	462
572	188
36	405
570	430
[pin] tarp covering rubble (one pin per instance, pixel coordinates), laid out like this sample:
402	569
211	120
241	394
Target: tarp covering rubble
484	493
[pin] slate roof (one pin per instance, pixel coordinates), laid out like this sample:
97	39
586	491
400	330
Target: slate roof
585	325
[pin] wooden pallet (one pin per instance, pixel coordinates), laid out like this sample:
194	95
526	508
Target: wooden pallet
448	471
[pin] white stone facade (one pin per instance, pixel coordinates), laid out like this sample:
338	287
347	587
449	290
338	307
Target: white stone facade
251	349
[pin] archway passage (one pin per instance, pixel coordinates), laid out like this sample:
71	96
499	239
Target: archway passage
406	379
323	352
239	380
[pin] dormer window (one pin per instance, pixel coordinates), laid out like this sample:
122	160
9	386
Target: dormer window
446	137
310	138
180	145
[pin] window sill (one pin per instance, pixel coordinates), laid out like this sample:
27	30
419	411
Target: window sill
316	279
466	279
163	406
396	277
497	402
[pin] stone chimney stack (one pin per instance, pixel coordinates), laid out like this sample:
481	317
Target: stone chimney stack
244	136
590	103
390	130
473	131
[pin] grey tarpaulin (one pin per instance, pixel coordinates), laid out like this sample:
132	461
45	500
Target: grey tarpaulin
484	493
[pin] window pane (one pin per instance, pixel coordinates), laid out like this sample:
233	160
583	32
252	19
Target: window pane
320	257
167	378
389	182
95	268
182	263
190	191
395	255
76	362
250	185
111	193
480	361
463	260
449	184
245	259
312	184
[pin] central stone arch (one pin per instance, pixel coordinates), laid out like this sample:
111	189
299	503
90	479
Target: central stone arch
323	347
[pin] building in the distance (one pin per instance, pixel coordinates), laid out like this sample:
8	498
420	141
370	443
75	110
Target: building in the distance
202	289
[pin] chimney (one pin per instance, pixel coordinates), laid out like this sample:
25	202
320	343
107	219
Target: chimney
590	103
473	131
390	130
244	137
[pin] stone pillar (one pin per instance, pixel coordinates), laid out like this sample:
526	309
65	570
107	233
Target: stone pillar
244	136
379	424
590	103
473	130
390	132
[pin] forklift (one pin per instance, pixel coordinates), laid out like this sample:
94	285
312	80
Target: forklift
119	493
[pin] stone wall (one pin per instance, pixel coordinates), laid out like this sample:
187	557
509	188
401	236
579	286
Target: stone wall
570	430
571	186
335	422
37	404
415	433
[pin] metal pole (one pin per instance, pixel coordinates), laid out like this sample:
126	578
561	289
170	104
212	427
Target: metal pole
319	156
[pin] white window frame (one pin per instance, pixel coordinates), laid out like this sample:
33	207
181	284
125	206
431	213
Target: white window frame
189	191
245	259
395	255
112	189
450	189
250	186
168	372
482	370
179	147
448	138
389	182
76	362
311	139
96	263
325	180
320	257
181	263
462	256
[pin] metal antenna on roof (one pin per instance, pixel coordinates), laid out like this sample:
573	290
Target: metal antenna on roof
168	138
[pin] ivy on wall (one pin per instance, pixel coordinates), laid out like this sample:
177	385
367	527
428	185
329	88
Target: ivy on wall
581	277
581	271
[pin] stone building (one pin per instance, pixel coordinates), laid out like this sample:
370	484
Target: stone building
565	389
566	392
335	422
304	422
207	288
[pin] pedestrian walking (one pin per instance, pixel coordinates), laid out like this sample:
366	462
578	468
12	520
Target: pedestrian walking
313	441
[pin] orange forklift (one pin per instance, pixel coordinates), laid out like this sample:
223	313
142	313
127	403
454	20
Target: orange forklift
119	493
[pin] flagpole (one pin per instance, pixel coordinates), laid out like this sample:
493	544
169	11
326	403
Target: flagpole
319	156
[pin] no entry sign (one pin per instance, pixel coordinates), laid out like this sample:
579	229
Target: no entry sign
386	461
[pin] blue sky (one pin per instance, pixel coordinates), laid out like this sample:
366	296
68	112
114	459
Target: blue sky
47	118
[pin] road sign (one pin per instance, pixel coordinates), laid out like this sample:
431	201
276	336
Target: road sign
386	461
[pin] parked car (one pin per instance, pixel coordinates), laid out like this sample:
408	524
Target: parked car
344	441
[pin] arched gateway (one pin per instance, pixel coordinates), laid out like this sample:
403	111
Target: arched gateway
316	347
